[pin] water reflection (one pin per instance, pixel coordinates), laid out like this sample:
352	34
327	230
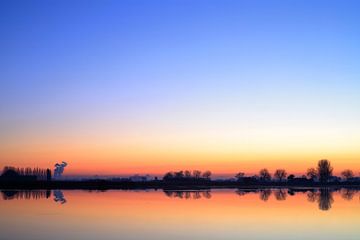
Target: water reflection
265	194
348	194
280	194
59	197
323	196
33	194
29	194
188	194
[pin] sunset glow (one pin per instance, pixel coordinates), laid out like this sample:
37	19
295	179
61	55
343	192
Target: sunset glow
124	88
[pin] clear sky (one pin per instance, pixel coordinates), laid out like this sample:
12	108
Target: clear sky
118	87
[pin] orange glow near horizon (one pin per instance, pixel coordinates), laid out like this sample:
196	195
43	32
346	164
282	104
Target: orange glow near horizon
156	149
131	159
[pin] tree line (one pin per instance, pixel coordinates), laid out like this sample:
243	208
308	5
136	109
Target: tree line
186	175
323	173
40	173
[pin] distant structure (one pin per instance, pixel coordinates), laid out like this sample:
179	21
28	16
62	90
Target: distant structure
59	169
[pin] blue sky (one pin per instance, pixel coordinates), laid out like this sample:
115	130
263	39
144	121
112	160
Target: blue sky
68	67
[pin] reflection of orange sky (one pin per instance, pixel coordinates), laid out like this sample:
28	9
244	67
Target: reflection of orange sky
225	212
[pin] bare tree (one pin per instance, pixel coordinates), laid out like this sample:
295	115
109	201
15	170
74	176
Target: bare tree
347	174
324	169
280	174
187	174
179	174
264	175
206	175
168	176
239	176
196	174
312	173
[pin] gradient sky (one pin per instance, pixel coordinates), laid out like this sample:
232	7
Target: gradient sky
119	87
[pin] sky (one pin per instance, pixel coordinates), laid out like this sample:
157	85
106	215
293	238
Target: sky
122	87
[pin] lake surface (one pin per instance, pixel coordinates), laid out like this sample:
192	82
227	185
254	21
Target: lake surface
215	214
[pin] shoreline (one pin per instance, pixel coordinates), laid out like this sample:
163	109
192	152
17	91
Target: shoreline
109	185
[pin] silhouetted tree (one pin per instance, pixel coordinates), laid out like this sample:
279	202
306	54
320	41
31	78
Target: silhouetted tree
206	175
291	177
196	174
347	174
280	174
239	176
264	175
324	169
179	174
168	176
187	174
312	173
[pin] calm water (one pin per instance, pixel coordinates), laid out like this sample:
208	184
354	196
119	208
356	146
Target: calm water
216	214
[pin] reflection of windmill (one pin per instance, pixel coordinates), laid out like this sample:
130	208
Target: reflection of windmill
59	196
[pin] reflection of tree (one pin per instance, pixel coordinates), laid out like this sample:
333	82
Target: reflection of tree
196	195
9	194
240	192
168	193
348	194
206	194
325	199
280	194
265	194
28	194
188	194
59	197
312	196
291	192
